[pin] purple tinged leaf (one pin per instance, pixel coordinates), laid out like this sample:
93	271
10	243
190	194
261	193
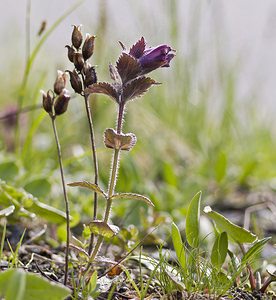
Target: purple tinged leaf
128	67
137	50
119	141
137	87
103	88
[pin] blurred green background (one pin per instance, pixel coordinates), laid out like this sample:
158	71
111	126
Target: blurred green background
210	125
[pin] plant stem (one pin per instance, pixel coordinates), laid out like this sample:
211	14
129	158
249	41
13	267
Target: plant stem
95	161
251	276
65	198
112	182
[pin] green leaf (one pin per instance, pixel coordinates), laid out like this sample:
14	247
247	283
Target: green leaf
236	232
7	211
8	171
29	286
132	196
16	286
92	186
178	246
47	212
103	229
254	250
220	167
219	250
39	187
192	221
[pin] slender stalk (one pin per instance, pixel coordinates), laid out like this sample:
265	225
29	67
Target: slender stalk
95	162
112	182
251	275
65	198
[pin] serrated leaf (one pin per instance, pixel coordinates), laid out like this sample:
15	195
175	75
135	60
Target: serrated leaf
103	88
236	232
132	196
137	50
117	141
178	246
36	287
91	186
128	67
137	87
103	229
255	250
192	221
219	250
114	73
7	211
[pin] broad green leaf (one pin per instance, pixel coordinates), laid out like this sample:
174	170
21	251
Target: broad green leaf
36	287
192	221
7	211
178	246
92	186
8	171
103	229
219	250
254	250
39	187
132	196
236	232
16	286
47	212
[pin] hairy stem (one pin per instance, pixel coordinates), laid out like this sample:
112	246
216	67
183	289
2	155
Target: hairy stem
95	162
65	198
112	182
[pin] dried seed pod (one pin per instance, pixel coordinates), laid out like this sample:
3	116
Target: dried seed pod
61	102
47	102
77	37
60	82
90	76
70	53
88	47
78	61
75	81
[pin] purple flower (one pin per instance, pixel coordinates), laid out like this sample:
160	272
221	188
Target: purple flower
151	58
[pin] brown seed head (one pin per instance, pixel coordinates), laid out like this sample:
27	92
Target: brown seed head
88	47
78	61
77	37
60	82
47	102
70	53
75	81
90	76
61	102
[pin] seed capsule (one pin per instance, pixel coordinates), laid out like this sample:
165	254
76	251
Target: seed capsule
75	81
61	102
78	61
70	53
77	37
90	77
47	102
88	47
60	82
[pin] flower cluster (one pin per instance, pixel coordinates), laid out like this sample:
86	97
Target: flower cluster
83	73
56	102
129	72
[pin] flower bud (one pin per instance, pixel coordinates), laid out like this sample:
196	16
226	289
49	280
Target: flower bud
61	102
90	77
47	102
70	53
77	37
60	82
88	47
75	81
78	61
